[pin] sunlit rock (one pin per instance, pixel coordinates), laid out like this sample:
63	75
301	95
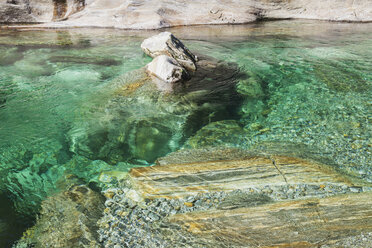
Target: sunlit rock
15	12
256	169
166	43
163	13
167	69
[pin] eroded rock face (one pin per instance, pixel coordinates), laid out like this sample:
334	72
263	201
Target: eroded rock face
34	11
166	43
167	69
142	14
15	12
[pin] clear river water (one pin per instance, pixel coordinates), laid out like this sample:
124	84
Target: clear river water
306	84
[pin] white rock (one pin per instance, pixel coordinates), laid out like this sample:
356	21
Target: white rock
166	43
134	196
166	69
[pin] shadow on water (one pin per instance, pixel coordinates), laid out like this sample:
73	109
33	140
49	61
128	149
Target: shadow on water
214	85
11	224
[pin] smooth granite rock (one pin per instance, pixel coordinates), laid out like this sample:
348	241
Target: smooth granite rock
166	43
142	14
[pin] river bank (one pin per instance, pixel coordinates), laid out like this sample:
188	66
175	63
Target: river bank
141	14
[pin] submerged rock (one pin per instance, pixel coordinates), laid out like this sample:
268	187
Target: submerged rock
220	133
138	120
340	78
29	174
166	43
67	219
9	56
167	69
33	65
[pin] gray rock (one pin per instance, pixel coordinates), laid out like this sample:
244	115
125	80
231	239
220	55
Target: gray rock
154	216
166	43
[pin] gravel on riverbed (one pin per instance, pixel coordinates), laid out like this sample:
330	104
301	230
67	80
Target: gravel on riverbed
131	224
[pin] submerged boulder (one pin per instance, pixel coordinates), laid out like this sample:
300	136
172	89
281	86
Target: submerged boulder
137	121
167	69
67	219
166	43
221	133
142	117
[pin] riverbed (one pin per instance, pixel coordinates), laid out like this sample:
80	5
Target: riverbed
307	84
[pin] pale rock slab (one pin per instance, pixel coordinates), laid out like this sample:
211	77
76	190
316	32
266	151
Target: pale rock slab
166	43
145	14
166	69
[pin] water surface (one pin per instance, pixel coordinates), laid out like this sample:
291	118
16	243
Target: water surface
304	82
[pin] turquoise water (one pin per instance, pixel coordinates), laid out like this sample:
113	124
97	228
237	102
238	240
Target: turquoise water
65	118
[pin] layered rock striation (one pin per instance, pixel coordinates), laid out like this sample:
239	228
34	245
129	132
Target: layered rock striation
236	198
142	14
